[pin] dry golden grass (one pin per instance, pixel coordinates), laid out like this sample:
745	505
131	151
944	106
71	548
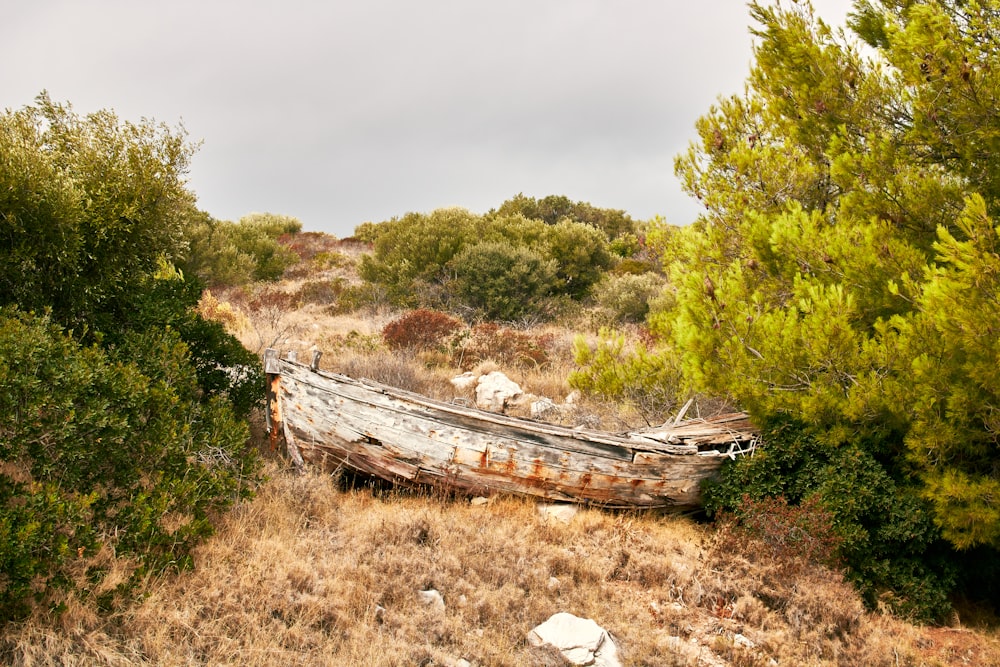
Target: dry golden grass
309	573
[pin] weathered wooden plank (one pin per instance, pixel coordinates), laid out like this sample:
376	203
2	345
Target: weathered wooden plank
398	435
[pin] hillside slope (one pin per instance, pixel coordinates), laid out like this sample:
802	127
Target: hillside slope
317	571
310	573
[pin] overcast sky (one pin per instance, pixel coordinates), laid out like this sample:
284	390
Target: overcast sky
339	112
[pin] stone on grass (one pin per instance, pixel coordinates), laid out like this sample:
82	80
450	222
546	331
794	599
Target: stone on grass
494	390
563	513
580	640
465	381
432	599
542	407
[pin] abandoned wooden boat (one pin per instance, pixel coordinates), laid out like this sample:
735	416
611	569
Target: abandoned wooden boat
337	421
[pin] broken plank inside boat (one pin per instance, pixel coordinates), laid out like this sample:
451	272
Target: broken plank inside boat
337	421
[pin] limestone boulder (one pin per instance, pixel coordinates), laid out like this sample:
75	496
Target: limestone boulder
581	641
495	390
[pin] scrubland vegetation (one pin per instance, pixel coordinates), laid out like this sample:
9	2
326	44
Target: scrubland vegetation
841	287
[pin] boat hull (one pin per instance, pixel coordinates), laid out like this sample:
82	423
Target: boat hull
340	422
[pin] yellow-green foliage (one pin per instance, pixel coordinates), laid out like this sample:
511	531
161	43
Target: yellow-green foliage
227	254
647	380
626	297
952	380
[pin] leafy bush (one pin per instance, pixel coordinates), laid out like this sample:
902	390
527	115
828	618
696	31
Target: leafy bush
421	329
91	206
122	403
225	254
500	281
626	297
123	450
222	366
625	246
581	256
499	266
554	208
414	248
889	544
650	382
367	232
355	297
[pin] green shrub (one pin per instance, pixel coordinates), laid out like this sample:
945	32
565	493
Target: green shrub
367	232
122	405
554	208
650	382
626	245
889	545
223	367
581	256
414	248
226	254
626	297
500	281
125	449
355	297
322	292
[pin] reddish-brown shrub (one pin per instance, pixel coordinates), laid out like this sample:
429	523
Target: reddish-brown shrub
794	536
506	346
268	300
309	244
421	329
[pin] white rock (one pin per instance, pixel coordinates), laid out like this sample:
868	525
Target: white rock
432	599
742	642
553	584
580	640
572	397
479	500
542	407
564	513
465	381
494	390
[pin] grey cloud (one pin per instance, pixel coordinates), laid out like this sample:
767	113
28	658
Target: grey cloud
341	112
